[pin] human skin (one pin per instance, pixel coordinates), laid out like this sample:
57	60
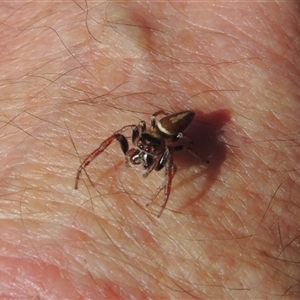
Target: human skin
72	73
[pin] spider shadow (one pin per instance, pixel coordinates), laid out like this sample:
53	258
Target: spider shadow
204	133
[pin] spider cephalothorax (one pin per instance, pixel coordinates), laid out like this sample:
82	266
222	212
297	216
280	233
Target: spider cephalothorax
153	149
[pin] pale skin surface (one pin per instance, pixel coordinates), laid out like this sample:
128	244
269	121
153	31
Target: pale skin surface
231	228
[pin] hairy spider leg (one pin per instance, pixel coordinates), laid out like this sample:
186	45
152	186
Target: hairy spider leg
165	160
116	136
170	173
153	118
153	166
142	126
159	162
138	130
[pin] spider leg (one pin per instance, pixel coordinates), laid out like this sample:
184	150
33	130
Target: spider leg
142	126
158	163
153	166
153	118
165	160
116	136
170	173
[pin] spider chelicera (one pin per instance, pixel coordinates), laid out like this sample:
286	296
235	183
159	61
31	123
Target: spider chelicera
153	149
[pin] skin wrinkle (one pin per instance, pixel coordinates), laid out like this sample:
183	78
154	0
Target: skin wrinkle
165	268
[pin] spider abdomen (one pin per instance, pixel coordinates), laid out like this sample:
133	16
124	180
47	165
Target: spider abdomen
173	124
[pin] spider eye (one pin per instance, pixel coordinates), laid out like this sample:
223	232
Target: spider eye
149	143
141	147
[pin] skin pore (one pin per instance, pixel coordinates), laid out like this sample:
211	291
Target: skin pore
72	73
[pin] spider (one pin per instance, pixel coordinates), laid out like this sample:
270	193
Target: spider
153	149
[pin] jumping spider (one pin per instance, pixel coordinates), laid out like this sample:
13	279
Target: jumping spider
153	149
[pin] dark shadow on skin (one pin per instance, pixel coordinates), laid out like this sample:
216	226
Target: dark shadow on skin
205	134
